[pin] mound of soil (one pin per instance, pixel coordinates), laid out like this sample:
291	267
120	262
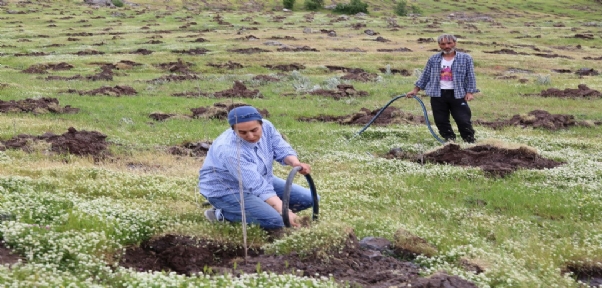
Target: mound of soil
142	51
402	49
356	49
581	92
176	67
36	106
160	116
343	91
286	67
175	78
41	68
228	65
7	257
587	273
391	115
30	54
363	77
552	56
189	149
238	90
352	265
220	111
332	68
587	71
195	51
190	94
119	90
537	119
88	52
81	143
506	51
493	160
297	49
265	78
249	50
402	72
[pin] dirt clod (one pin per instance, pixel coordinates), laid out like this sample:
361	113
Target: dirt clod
343	91
286	67
536	119
191	149
228	65
119	90
249	50
391	115
36	106
220	111
581	92
238	90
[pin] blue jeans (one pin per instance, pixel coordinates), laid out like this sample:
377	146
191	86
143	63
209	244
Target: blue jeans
258	211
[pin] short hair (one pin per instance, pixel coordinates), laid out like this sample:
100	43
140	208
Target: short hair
446	36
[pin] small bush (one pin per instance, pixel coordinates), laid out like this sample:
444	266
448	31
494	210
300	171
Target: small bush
401	9
313	5
288	4
117	3
354	7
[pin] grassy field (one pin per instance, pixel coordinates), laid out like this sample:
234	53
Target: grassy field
72	215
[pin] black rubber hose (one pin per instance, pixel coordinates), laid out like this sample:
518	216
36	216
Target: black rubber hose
286	197
426	117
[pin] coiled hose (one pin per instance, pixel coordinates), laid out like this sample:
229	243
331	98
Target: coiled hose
286	197
426	117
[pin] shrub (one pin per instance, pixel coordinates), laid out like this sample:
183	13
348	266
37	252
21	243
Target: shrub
354	7
401	9
313	5
288	4
117	3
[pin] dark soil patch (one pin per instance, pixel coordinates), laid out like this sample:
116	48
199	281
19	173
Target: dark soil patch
36	106
425	40
356	49
142	51
249	50
265	78
332	68
248	38
587	36
351	264
286	67
363	77
391	115
41	68
537	119
154	42
176	67
382	39
592	58
175	78
191	94
282	38
402	49
160	116
190	149
238	90
402	72
195	51
297	49
30	54
562	70
220	111
587	72
506	51
7	256
119	90
587	273
493	160
343	91
81	143
552	56
581	92
200	40
89	52
228	65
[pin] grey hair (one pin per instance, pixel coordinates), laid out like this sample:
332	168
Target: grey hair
446	36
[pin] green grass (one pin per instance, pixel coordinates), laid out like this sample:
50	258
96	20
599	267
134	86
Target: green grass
524	228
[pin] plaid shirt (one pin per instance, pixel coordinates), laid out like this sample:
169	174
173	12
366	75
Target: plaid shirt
462	71
231	156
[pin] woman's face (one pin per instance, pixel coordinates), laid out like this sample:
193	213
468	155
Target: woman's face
249	131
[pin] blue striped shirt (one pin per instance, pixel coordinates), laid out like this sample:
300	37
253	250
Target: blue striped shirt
219	175
462	71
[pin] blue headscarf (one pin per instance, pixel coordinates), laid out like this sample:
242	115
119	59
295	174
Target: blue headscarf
243	114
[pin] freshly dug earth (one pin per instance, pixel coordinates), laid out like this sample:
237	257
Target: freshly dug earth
493	160
365	268
177	67
41	68
538	119
391	115
81	143
7	257
190	149
220	111
238	90
343	91
581	92
117	91
36	106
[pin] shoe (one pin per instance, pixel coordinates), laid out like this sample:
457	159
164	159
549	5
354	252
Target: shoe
210	215
214	215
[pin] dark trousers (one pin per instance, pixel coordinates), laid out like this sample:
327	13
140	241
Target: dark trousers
460	111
